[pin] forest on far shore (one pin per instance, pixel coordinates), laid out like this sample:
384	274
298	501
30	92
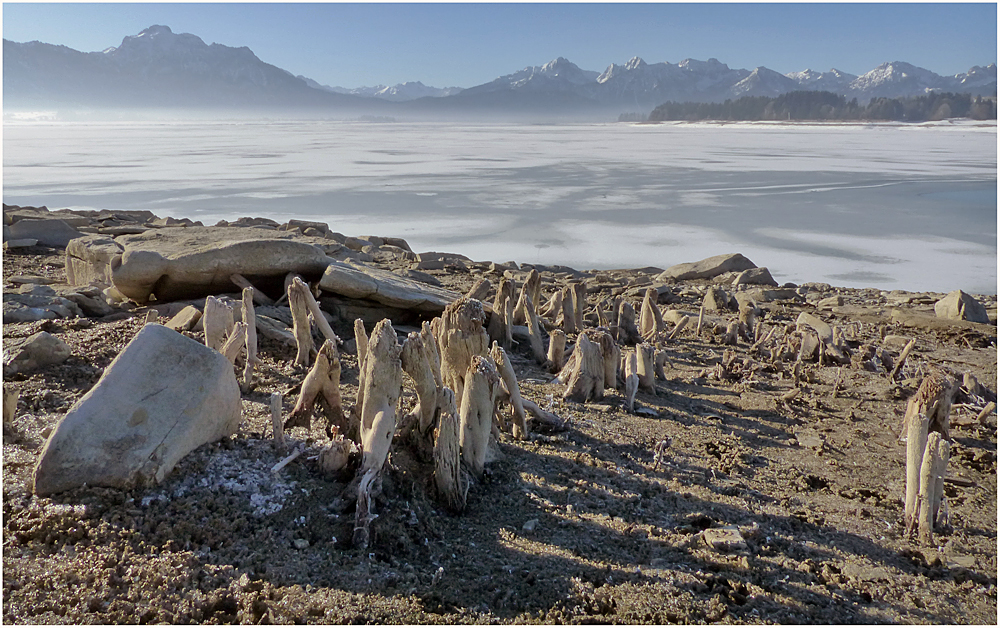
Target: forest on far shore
808	105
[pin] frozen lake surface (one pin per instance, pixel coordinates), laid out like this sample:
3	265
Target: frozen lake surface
911	207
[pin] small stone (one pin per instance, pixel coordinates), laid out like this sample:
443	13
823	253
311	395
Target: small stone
300	544
529	525
725	539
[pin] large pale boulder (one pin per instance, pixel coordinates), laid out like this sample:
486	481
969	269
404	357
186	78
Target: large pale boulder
41	349
177	263
90	260
161	398
707	268
960	306
358	281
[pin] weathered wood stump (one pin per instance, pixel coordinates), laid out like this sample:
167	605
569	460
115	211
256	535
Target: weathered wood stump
476	412
586	376
449	478
383	384
321	384
460	336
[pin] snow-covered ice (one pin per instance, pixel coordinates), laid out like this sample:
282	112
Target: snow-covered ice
887	205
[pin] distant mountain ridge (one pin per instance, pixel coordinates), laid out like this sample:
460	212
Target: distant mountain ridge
160	68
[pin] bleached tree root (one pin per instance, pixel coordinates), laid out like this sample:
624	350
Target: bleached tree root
631	380
534	331
628	333
460	336
383	383
476	413
556	358
509	381
277	426
250	318
450	479
681	324
916	442
932	471
646	367
502	317
298	293
217	321
235	342
933	399
416	361
650	318
480	289
586	378
322	383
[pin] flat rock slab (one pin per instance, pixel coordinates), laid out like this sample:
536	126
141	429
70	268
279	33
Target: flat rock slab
707	268
34	303
161	398
358	281
50	232
177	263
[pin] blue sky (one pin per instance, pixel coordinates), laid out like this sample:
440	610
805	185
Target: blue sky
467	44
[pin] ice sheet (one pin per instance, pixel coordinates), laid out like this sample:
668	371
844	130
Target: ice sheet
885	205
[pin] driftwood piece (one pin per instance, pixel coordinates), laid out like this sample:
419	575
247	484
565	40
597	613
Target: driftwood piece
480	289
460	336
335	457
277	426
274	330
244	284
298	303
476	412
250	318
383	383
557	351
317	314
825	334
646	369
631	379
449	479
628	333
902	359
701	318
509	380
235	342
681	324
544	417
586	379
322	382
217	321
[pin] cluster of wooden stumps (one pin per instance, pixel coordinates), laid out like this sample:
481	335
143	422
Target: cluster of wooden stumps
464	380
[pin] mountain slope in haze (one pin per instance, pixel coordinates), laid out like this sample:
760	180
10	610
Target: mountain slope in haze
158	68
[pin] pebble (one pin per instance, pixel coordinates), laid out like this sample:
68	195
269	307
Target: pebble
300	544
529	525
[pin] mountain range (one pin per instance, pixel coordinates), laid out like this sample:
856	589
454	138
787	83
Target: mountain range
165	70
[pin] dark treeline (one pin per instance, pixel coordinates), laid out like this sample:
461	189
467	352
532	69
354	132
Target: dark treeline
829	106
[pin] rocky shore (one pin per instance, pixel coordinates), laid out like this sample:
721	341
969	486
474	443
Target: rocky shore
757	476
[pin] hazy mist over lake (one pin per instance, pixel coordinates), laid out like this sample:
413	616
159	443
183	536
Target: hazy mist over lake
892	206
